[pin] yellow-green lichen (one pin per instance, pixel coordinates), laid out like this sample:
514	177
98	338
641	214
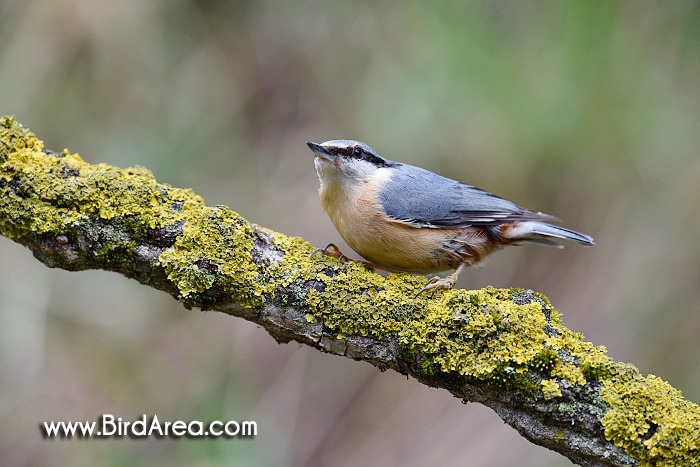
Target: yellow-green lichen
216	244
478	332
298	260
350	298
550	389
42	193
375	306
584	355
651	420
482	334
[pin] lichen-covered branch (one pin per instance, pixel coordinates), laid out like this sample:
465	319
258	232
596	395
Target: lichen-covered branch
507	349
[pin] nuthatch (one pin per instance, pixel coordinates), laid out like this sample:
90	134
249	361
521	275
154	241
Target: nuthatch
404	218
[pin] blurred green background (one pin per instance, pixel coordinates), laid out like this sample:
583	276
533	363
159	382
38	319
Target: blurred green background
588	110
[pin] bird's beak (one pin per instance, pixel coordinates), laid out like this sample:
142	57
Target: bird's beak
320	151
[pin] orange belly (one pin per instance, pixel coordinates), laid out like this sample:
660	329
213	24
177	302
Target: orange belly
400	247
397	245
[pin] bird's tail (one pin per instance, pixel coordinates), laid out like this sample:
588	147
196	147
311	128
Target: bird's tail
540	232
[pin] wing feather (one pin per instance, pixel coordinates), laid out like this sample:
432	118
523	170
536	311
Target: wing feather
425	199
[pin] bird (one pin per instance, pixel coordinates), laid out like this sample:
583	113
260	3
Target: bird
400	217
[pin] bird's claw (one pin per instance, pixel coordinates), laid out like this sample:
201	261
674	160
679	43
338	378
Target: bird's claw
334	251
331	250
438	282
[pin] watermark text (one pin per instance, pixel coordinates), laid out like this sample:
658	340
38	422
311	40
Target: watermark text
109	426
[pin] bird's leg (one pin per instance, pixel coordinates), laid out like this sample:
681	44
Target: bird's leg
446	282
334	251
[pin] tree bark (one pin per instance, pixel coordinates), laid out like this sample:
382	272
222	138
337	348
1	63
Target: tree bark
506	349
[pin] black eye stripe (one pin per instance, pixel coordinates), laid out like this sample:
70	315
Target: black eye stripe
358	152
374	159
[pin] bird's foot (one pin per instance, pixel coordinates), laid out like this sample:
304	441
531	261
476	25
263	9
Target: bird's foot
334	251
331	250
446	282
437	282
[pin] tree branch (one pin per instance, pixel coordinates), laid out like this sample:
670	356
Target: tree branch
506	349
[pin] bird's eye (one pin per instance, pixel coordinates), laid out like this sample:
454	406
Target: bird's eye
357	151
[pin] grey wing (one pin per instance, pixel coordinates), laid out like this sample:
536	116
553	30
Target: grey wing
425	199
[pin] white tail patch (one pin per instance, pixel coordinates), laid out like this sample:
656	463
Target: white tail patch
535	231
519	230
